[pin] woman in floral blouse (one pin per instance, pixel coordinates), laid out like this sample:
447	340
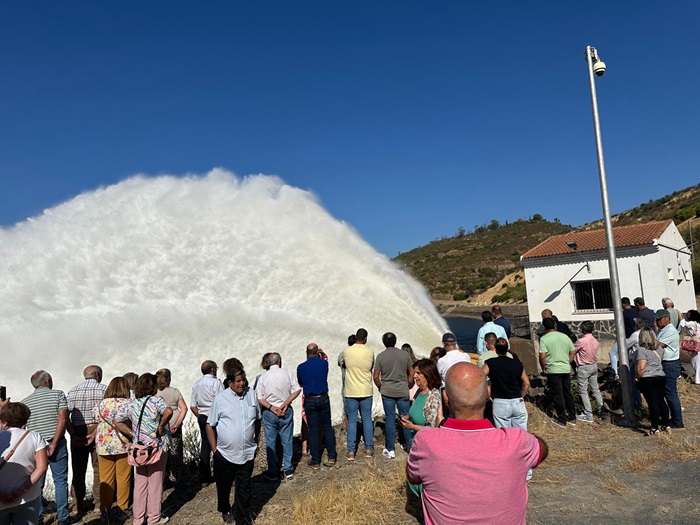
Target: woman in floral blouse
426	408
111	446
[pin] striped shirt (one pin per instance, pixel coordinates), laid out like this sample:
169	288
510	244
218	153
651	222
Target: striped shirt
82	399
276	385
152	412
45	404
203	393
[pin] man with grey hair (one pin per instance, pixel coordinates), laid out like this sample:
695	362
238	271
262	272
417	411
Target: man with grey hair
49	417
674	314
276	389
82	399
436	459
669	340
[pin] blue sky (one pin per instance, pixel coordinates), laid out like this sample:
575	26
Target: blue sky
407	119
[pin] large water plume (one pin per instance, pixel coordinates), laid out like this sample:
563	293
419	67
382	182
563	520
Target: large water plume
168	271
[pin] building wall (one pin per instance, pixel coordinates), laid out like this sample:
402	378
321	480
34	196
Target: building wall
643	271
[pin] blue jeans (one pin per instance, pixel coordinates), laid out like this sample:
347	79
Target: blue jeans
284	427
364	405
672	369
510	413
390	404
26	513
318	414
58	463
613	358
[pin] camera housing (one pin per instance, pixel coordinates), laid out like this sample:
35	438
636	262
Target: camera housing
599	68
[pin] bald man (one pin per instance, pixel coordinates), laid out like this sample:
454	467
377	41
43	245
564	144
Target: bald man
82	399
467	451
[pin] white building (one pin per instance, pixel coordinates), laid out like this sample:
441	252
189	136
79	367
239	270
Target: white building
569	273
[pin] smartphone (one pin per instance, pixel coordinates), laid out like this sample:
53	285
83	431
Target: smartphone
3	393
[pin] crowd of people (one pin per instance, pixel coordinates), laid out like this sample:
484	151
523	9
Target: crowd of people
653	345
131	428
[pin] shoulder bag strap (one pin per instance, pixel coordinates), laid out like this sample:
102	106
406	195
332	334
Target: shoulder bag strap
9	455
111	424
138	425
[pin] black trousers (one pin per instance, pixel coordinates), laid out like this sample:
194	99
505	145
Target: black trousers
653	389
205	451
560	384
225	473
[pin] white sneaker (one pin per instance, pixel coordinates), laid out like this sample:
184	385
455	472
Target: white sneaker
389	454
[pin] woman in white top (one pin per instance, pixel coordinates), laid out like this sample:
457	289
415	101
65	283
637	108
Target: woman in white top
691	326
23	464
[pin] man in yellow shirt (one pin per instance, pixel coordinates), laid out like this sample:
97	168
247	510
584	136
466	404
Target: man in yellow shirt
359	361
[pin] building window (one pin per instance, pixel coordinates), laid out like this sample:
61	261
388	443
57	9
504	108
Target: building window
592	295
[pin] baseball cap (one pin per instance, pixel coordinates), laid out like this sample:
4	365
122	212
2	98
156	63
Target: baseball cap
449	337
660	314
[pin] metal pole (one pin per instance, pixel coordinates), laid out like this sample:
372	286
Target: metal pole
624	370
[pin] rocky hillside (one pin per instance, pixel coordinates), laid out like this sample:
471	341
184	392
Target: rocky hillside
483	266
468	264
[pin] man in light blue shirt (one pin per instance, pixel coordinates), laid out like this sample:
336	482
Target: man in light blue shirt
489	327
233	426
669	340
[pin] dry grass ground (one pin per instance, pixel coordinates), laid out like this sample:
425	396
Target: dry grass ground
596	473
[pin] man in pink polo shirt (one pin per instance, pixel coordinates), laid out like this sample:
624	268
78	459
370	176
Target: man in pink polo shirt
467	451
586	356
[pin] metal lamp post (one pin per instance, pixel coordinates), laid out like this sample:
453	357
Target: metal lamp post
597	67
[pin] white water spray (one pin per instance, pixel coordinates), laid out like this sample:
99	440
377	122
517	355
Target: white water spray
167	272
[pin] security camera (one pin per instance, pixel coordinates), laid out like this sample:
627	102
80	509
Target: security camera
599	68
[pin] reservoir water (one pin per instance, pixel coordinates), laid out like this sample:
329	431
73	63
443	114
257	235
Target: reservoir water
465	330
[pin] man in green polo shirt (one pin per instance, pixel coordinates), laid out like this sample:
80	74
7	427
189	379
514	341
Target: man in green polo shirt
556	353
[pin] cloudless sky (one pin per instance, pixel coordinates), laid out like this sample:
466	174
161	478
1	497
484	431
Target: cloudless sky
407	119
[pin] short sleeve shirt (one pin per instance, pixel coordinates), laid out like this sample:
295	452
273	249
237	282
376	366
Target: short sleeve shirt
234	418
586	350
21	464
172	397
670	337
44	404
359	360
497	463
653	367
108	441
393	364
153	411
557	347
506	377
451	358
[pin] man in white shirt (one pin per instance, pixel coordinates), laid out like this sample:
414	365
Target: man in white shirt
233	427
488	327
452	355
203	393
276	390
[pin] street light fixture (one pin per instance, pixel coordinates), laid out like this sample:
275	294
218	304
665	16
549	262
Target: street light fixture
596	67
572	244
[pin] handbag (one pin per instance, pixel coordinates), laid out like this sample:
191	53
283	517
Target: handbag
140	455
690	343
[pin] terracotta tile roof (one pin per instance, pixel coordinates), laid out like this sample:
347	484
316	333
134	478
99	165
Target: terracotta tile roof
588	241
